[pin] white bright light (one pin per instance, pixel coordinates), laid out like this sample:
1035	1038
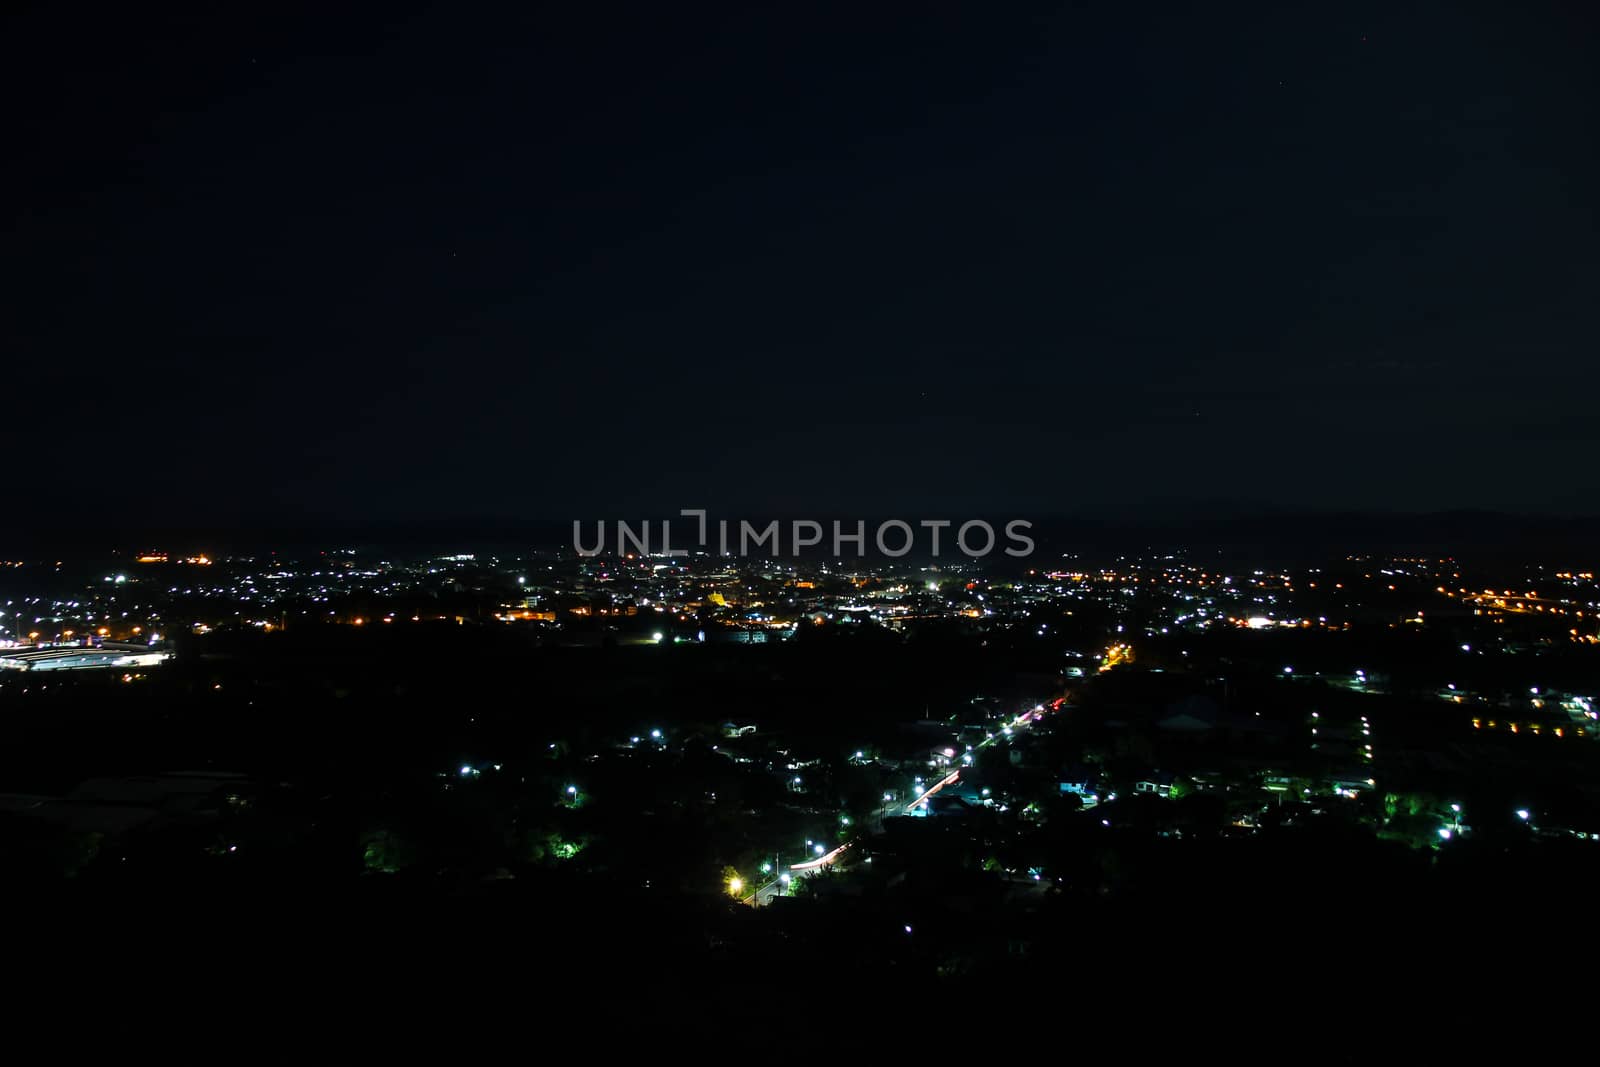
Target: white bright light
1522	813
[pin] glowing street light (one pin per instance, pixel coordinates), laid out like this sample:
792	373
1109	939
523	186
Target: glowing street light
735	885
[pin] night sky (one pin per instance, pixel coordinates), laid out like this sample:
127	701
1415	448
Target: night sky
594	260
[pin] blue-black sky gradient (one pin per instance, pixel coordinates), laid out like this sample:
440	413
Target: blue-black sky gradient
574	260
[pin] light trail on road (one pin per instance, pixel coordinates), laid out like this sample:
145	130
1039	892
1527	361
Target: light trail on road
946	780
820	861
827	860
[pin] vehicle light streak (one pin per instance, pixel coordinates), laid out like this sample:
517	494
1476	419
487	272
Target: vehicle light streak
946	780
820	861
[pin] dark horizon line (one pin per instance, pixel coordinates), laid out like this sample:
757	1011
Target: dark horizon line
1352	529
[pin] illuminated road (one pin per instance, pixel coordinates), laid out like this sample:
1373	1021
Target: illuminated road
949	779
1034	714
820	861
765	893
